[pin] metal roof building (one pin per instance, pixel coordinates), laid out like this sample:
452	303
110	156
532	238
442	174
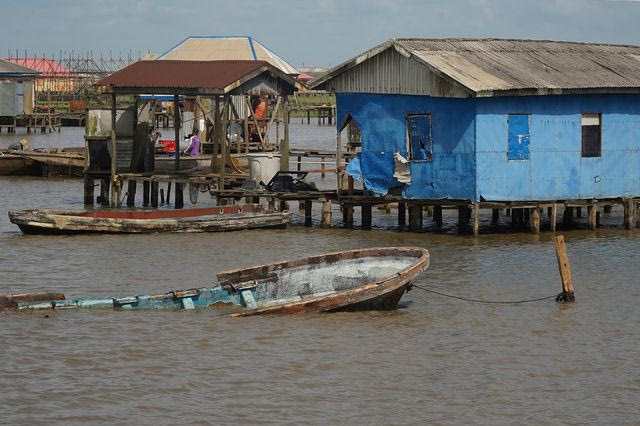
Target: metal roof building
493	120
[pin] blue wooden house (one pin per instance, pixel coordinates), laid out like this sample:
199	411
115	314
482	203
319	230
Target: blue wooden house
493	120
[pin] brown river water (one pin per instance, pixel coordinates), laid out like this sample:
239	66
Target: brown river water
433	360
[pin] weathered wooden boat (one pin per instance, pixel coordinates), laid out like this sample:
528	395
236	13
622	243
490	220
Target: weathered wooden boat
116	221
16	165
42	162
366	279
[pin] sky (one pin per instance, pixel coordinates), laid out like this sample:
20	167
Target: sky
309	33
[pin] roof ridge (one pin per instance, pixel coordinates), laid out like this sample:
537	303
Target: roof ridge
523	40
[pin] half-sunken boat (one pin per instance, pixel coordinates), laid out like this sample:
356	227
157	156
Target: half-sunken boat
366	279
120	221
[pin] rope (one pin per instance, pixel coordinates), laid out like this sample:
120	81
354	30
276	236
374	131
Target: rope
484	301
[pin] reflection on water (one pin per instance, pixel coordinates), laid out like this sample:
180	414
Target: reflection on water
434	360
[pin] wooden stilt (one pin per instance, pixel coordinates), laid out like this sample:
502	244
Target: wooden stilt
179	200
535	220
552	217
105	183
154	194
366	216
495	216
476	220
326	213
415	218
308	207
567	294
145	193
169	193
591	215
131	192
88	190
348	211
567	218
462	217
437	215
402	214
628	212
514	218
637	215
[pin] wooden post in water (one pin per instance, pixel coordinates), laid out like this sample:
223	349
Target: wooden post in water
495	216
415	217
131	192
437	215
154	194
535	220
552	217
402	214
88	190
284	151
365	210
476	220
145	193
591	215
637	215
567	294
628	212
308	206
113	150
326	213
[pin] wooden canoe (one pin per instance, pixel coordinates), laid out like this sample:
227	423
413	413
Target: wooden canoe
366	279
114	221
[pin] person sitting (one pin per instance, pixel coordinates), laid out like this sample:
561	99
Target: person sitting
194	145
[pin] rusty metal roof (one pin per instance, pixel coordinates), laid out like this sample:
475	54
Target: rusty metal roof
215	77
488	67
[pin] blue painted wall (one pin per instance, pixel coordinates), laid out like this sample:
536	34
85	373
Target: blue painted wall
382	123
555	169
471	146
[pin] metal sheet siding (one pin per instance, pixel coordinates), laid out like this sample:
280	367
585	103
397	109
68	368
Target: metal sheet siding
7	98
556	170
382	123
392	73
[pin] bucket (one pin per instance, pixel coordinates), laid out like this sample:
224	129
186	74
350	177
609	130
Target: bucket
263	166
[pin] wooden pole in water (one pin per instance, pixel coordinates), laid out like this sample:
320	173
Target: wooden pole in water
476	220
591	214
402	214
113	150
535	220
308	205
628	212
326	213
565	271
552	218
284	150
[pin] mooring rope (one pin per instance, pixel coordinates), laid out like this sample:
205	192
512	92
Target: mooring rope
466	299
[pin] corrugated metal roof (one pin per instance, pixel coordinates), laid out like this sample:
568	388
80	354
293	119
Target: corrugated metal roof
10	68
216	48
214	76
494	66
45	66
